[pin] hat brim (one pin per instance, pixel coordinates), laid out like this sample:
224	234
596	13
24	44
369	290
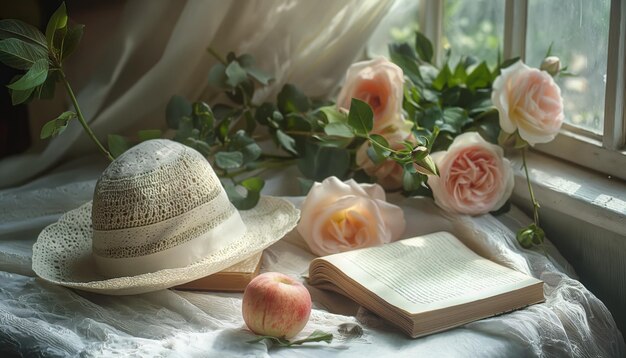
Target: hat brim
63	252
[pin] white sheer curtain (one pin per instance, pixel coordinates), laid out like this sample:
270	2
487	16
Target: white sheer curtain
159	49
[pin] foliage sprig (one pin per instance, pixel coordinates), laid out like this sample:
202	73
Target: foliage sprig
24	47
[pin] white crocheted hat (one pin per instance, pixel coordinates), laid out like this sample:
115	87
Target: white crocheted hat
159	218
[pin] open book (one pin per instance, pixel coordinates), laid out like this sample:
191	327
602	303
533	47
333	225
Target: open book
425	284
231	279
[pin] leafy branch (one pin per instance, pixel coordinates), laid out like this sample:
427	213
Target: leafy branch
24	47
316	336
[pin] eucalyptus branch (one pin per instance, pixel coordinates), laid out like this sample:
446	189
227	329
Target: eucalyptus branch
217	56
24	47
81	118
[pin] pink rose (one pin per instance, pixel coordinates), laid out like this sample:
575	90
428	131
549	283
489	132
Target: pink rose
388	173
528	101
475	178
378	82
340	216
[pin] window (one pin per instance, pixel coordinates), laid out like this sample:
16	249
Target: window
588	36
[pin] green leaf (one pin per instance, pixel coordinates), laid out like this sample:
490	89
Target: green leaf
411	180
442	78
199	145
20	54
33	78
338	142
429	73
459	76
21	96
118	145
203	119
320	162
456	117
339	129
381	146
375	156
247	62
57	125
251	187
10	28
57	21
316	336
305	185
361	117
223	128
334	115
177	107
290	100
72	38
229	160
263	77
530	236
480	77
264	112
148	134
246	145
185	127
286	142
46	90
424	47
404	56
430	117
253	184
235	74
217	76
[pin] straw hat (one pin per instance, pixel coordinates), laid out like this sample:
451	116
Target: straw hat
159	218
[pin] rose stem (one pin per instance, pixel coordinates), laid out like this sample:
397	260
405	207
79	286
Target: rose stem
530	189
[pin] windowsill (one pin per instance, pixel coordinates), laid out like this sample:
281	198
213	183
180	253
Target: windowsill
572	190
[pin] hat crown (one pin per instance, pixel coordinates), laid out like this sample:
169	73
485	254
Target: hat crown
152	182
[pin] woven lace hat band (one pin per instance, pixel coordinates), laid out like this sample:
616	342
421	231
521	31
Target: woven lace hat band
159	206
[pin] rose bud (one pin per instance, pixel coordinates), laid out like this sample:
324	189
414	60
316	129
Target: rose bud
552	65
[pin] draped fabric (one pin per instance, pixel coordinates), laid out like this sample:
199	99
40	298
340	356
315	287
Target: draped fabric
39	318
158	49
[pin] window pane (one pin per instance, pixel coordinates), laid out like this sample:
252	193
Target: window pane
399	25
579	34
473	28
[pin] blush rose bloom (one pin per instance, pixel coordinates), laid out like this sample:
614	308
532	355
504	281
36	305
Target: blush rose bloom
475	178
388	173
529	101
339	216
379	82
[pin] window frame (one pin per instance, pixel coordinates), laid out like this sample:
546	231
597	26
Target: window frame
604	153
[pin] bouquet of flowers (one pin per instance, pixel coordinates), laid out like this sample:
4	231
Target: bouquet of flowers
404	122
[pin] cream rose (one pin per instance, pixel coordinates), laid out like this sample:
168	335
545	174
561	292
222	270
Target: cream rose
474	179
388	173
528	101
378	82
339	216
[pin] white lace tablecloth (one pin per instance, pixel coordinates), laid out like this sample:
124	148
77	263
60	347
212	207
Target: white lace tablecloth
38	319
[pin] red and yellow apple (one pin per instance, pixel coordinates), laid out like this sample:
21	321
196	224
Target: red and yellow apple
276	305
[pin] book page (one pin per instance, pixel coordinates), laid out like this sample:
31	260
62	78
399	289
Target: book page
427	273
